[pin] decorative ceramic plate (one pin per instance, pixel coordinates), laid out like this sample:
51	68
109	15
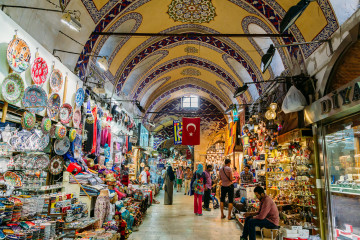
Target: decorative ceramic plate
60	132
72	135
56	165
54	103
13	179
79	97
12	88
56	80
61	146
28	121
18	55
44	142
35	99
39	71
45	125
42	162
77	118
66	113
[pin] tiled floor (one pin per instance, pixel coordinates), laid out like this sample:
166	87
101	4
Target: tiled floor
178	222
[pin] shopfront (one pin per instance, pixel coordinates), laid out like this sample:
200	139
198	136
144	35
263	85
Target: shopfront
336	120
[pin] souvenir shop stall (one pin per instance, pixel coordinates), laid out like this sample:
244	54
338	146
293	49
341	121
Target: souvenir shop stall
215	155
284	166
59	175
336	116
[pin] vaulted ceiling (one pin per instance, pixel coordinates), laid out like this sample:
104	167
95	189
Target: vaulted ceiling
158	70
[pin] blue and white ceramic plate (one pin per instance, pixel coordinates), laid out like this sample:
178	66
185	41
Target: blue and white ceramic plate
79	97
35	99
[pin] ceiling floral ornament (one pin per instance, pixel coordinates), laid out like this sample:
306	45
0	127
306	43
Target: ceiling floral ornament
193	11
190	72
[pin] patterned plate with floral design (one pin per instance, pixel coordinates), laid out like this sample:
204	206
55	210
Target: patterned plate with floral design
66	113
13	179
79	97
35	99
39	71
18	55
72	135
61	146
56	80
60	131
45	125
54	103
42	162
44	142
28	121
77	118
56	165
12	88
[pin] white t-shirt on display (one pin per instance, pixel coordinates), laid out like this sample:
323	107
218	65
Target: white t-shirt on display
143	176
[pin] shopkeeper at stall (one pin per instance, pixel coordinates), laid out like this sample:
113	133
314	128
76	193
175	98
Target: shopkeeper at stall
266	217
246	176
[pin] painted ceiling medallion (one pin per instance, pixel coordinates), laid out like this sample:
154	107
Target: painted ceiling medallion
190	72
192	11
190	49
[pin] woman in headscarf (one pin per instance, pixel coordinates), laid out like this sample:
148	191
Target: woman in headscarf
198	182
169	185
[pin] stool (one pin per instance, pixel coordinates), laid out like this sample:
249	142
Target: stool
277	228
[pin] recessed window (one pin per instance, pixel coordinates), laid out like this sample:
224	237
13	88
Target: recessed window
190	102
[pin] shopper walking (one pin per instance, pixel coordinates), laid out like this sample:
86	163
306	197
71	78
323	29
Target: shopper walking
207	191
163	177
267	216
169	182
198	182
227	188
187	177
179	176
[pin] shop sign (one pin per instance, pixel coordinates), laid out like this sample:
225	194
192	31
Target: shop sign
344	99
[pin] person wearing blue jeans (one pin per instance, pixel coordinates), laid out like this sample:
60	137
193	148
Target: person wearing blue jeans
213	198
266	217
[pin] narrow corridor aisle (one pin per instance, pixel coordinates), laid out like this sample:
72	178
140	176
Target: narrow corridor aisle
178	222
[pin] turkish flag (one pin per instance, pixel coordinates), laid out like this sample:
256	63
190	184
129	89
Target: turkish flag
191	131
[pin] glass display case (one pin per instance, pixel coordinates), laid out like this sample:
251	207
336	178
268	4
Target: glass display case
342	154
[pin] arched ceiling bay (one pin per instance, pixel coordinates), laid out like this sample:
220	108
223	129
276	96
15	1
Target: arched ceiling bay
158	70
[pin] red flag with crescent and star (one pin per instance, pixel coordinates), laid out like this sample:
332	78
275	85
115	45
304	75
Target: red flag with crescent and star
191	131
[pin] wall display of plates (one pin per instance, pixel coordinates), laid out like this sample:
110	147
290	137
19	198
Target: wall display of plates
35	99
13	179
54	104
39	71
56	80
28	121
60	131
12	88
66	113
79	97
72	135
61	146
56	165
18	55
45	125
77	118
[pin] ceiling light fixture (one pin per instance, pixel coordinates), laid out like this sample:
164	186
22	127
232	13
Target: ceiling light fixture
229	108
293	14
266	59
137	103
268	56
241	90
103	63
73	22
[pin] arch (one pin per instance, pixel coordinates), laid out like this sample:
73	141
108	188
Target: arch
186	61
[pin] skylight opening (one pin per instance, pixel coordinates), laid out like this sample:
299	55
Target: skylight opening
190	102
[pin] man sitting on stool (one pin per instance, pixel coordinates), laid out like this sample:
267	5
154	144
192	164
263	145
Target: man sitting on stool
266	217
